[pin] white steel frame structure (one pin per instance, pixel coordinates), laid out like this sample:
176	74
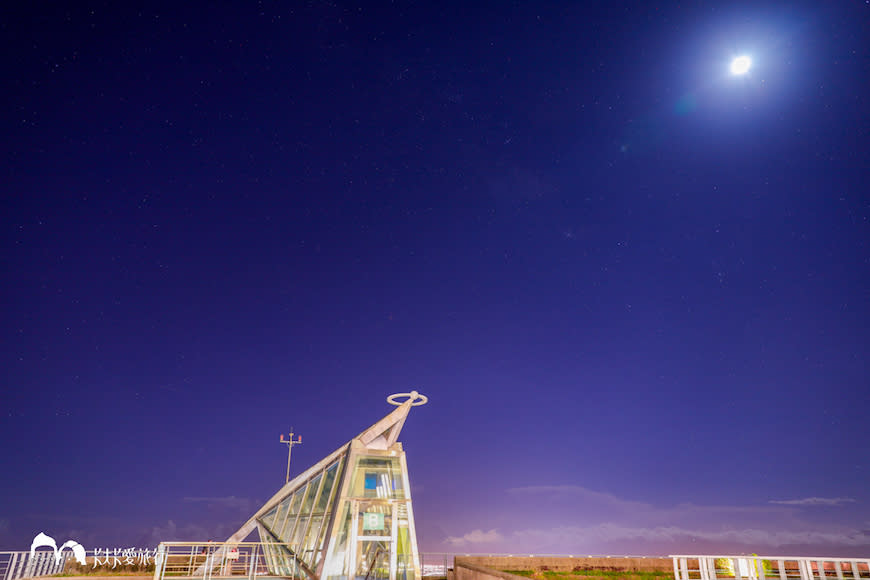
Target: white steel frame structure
349	516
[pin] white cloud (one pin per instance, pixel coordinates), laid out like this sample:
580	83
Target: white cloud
636	509
575	518
563	490
475	537
608	532
814	501
584	494
242	504
186	533
749	536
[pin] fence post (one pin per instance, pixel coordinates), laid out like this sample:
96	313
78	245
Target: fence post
41	562
10	571
711	568
21	561
838	568
752	568
806	569
703	570
158	562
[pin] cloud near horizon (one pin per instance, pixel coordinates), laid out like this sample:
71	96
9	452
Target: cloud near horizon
814	501
186	532
475	537
242	504
636	509
575	519
576	538
607	532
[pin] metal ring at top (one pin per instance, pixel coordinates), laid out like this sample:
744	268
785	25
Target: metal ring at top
414	396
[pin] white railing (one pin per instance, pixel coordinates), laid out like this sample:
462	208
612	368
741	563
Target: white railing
209	560
15	565
212	560
769	568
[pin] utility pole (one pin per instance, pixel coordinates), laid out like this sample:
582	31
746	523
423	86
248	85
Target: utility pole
290	443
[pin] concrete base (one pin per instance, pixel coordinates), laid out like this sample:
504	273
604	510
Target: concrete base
467	571
565	564
491	567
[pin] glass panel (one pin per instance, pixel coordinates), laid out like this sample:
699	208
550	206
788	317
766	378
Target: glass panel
327	488
404	557
278	556
309	499
268	549
373	559
378	477
301	525
374	519
287	562
280	517
269	518
313	530
304	516
336	566
287	532
327	499
270	558
362	534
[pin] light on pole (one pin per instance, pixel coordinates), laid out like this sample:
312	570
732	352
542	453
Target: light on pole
290	443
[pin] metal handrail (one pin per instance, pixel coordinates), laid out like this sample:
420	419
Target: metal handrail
23	564
710	567
213	560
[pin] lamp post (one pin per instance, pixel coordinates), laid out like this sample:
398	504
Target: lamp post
290	443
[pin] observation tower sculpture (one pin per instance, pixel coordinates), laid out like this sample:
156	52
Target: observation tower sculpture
349	516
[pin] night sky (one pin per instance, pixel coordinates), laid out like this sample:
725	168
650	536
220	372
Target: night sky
634	286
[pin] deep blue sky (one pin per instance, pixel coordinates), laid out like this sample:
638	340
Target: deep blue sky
634	287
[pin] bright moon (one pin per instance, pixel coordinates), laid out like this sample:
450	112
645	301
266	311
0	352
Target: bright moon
740	65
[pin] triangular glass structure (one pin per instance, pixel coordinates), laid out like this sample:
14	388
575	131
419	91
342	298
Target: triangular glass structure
348	517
